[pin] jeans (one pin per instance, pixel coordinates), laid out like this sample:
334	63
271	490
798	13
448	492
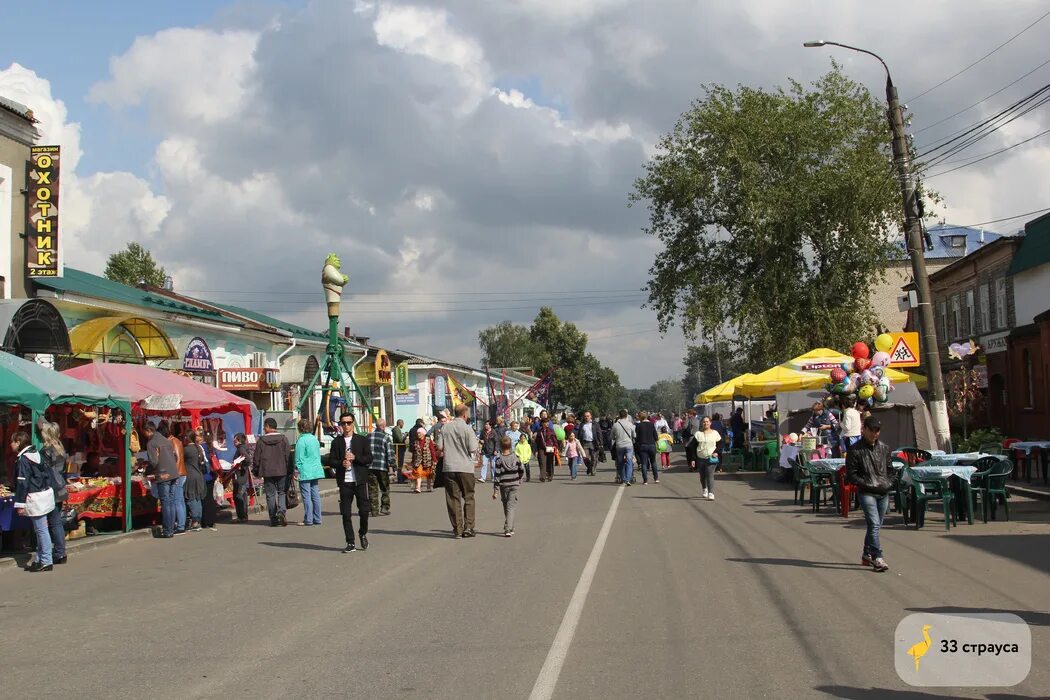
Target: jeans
310	493
179	495
647	459
43	540
486	462
707	472
195	509
379	490
874	508
574	463
625	463
276	496
509	495
166	496
58	532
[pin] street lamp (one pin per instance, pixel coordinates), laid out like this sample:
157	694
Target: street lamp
914	240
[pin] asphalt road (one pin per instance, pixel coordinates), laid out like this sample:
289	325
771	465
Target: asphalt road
747	596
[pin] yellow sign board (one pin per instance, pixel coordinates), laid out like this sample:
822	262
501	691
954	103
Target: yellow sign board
905	351
384	370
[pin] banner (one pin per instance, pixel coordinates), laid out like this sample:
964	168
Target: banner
460	394
401	378
439	392
42	212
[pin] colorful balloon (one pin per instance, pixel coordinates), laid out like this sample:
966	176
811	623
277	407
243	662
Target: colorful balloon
860	350
837	375
559	432
866	392
881	394
884	343
881	359
861	364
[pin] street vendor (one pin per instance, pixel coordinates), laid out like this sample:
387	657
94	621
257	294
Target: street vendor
823	422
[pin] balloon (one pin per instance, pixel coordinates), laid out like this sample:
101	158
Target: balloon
866	377
866	392
879	372
881	359
792	438
884	381
884	343
837	375
559	432
881	393
861	363
860	350
847	367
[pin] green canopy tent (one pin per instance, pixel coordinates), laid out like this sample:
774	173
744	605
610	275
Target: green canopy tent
24	383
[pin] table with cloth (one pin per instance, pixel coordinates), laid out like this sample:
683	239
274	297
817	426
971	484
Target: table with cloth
1033	450
958	469
107	501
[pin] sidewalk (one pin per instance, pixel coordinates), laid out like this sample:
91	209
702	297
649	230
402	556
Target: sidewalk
85	544
1038	491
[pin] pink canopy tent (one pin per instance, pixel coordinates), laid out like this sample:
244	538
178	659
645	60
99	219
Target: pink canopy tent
158	392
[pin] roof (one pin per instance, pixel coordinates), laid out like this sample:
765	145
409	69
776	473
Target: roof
943	236
949	269
28	384
17	108
86	284
1035	249
296	331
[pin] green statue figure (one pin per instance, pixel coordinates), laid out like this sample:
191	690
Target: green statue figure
333	280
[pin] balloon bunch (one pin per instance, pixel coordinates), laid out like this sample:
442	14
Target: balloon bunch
864	380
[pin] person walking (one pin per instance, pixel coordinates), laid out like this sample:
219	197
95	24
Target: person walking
350	457
664	445
242	476
163	470
194	490
209	508
459	445
623	436
310	470
692	425
707	439
34	496
646	436
605	426
53	455
573	454
590	436
424	457
524	452
507	473
676	428
400	440
270	462
546	448
868	466
489	447
379	470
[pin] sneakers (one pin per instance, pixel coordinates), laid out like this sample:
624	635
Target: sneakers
282	521
866	560
37	567
195	527
384	511
481	480
880	565
350	548
468	533
704	494
710	496
507	533
364	542
656	481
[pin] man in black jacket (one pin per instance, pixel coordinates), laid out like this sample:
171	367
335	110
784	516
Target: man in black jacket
350	457
270	461
868	466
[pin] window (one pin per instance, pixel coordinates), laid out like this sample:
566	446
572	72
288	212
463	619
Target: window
955	331
942	321
971	324
1000	303
1026	361
958	241
984	323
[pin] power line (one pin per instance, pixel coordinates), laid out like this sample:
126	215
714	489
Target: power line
387	312
994	221
982	101
979	137
987	155
957	74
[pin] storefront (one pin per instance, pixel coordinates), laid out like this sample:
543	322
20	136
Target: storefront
257	384
375	378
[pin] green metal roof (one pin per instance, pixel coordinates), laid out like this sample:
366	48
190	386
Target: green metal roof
1035	248
88	285
297	331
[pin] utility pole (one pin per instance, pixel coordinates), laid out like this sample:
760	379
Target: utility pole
913	238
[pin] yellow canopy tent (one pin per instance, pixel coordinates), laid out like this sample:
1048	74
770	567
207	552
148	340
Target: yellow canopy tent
810	371
724	391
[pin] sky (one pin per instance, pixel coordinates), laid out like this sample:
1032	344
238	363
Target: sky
468	161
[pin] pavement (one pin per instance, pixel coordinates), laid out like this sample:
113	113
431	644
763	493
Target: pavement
604	592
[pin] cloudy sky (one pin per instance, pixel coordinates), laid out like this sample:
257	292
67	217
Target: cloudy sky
468	160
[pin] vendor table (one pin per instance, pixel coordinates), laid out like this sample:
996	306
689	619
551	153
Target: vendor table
9	519
108	501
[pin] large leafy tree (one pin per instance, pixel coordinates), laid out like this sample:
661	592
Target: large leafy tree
775	209
133	265
506	345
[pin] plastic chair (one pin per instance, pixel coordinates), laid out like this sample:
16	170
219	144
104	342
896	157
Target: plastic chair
990	485
733	458
1018	457
913	455
805	478
990	448
825	485
846	492
901	494
771	456
926	489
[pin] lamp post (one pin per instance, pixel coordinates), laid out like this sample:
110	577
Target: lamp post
913	238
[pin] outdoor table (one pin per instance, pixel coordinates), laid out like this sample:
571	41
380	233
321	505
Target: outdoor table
108	501
949	466
828	465
1028	447
834	466
953	460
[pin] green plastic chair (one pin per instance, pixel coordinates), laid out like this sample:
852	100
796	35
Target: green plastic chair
733	458
805	478
771	456
927	489
990	448
990	485
824	485
900	490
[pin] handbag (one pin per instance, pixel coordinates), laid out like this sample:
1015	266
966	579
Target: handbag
439	474
292	498
40	502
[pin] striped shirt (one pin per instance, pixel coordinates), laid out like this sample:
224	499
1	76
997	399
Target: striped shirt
507	471
382	450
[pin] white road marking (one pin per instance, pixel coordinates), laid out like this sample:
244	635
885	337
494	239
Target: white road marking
548	678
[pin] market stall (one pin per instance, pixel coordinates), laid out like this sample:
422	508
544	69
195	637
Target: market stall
30	391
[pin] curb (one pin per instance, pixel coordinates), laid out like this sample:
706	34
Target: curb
86	544
1035	494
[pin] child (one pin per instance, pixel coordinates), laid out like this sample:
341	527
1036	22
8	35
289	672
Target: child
663	446
524	452
573	453
507	473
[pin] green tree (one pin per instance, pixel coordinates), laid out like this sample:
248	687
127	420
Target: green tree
775	209
506	345
134	265
704	369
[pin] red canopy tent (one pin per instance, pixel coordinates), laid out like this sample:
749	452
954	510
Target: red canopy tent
159	392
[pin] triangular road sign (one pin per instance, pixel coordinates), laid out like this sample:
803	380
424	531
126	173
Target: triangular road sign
903	354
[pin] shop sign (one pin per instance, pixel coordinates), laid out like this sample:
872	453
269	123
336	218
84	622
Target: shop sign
42	212
439	391
401	378
994	343
384	375
249	379
198	357
410	398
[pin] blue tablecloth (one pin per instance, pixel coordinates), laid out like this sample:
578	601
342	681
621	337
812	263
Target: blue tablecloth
9	520
929	471
951	460
828	465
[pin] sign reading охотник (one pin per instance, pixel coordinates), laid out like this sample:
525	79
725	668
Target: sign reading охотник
42	212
